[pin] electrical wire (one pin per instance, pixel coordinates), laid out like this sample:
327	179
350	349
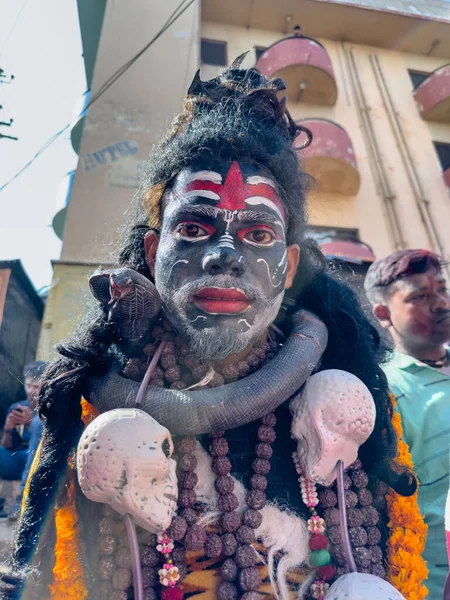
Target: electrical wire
108	83
13	27
176	14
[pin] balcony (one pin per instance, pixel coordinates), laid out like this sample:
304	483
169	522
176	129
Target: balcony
433	96
306	68
330	157
352	252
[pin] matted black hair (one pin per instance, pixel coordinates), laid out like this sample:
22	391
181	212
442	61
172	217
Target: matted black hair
236	116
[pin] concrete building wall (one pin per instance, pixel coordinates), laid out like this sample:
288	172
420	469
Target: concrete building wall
118	134
431	9
366	211
128	119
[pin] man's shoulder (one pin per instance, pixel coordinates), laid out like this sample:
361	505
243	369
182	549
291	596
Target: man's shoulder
401	373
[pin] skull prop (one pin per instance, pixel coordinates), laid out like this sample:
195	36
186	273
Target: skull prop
332	416
124	460
358	586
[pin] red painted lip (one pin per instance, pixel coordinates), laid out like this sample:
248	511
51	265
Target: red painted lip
221	301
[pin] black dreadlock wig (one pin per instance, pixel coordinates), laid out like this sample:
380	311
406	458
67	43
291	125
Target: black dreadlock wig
236	116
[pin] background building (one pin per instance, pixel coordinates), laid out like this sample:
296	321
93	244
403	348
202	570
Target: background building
21	311
369	78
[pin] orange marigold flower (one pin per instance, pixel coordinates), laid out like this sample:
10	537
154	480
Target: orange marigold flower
68	575
406	568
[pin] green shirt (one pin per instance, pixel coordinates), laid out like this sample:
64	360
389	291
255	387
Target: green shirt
423	401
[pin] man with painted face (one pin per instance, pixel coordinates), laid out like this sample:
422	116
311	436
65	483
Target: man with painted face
410	298
217	243
230	227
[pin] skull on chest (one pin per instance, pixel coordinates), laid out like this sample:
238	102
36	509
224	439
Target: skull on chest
124	460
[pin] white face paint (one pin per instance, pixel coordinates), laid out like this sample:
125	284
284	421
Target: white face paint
257	200
268	271
226	241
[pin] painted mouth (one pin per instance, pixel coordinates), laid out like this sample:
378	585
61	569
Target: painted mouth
221	301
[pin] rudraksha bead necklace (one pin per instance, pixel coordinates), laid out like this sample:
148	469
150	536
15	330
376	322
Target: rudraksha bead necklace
164	568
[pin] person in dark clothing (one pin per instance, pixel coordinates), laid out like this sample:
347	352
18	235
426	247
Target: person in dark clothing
17	432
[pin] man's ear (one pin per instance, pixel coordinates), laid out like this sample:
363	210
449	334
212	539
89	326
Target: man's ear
151	241
293	258
383	314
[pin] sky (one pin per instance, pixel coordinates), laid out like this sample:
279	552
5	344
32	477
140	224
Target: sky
40	45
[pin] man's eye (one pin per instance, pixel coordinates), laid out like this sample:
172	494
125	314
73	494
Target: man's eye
260	236
192	232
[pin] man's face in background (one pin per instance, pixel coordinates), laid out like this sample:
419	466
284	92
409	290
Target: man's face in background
417	309
32	389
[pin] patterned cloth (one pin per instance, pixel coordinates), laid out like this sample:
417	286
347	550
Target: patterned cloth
423	401
282	486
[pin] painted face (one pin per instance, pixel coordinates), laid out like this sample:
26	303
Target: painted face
420	309
222	258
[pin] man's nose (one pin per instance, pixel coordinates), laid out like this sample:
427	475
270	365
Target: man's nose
441	302
223	261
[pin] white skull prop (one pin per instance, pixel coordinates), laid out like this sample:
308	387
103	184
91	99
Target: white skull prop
124	460
332	416
358	586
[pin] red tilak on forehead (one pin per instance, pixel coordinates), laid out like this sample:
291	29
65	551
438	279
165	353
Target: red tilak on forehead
234	192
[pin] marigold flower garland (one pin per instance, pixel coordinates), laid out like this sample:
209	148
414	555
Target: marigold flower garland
68	572
406	568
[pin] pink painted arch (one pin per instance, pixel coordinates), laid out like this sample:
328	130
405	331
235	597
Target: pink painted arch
433	96
330	158
306	68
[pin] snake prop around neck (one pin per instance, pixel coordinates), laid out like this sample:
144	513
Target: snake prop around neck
197	412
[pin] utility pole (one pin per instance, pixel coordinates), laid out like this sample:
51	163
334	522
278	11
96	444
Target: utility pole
4	79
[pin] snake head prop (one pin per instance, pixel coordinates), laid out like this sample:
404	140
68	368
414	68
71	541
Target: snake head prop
124	459
332	417
361	586
130	300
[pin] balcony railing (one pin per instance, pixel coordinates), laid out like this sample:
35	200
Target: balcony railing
306	68
330	157
433	96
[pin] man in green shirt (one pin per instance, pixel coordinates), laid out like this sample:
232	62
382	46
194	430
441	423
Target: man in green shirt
410	299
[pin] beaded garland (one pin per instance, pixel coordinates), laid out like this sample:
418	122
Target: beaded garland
163	559
318	542
365	535
180	369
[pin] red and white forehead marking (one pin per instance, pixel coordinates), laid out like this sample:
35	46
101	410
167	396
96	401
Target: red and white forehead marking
234	194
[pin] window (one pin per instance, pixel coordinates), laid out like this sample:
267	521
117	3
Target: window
417	77
259	51
213	52
443	152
